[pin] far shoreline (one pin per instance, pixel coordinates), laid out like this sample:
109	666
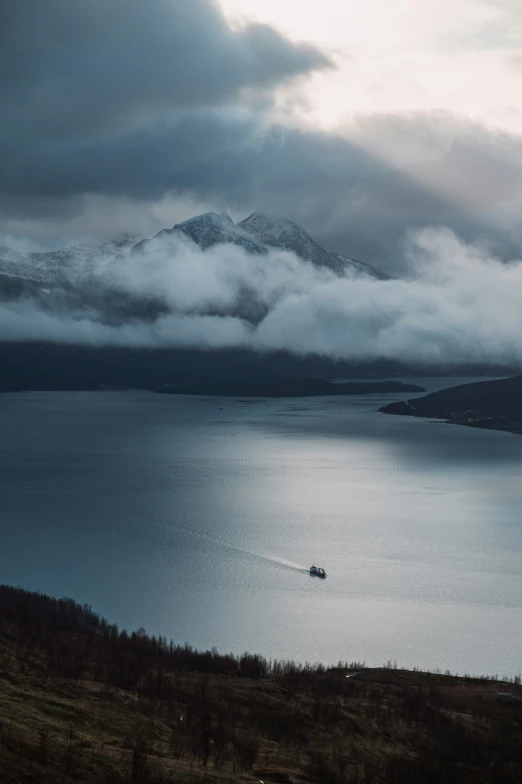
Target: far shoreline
271	388
485	405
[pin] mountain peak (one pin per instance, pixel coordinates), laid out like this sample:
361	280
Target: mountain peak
218	219
260	232
212	228
279	232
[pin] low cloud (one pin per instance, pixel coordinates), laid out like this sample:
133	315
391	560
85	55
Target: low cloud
457	305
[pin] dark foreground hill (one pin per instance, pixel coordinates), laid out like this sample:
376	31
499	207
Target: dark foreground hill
495	405
82	701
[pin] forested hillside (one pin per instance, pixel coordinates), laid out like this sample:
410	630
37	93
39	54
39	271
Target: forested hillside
81	700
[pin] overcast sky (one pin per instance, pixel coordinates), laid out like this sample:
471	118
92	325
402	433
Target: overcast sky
362	121
406	56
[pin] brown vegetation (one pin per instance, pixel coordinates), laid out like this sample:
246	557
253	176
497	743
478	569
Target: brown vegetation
82	701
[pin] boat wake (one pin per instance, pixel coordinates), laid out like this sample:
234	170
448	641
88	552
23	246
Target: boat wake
284	563
274	559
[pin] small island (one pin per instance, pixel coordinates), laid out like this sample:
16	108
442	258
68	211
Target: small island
493	405
289	387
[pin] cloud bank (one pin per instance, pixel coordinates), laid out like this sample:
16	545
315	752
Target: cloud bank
122	117
458	305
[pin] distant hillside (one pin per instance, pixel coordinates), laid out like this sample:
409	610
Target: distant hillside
62	367
495	405
292	387
48	366
83	701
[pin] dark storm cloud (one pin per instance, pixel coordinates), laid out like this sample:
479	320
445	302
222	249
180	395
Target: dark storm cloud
346	196
129	101
75	68
92	93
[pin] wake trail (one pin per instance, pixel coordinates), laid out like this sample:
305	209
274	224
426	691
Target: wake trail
284	563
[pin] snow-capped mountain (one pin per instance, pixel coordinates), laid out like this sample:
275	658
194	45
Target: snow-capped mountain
211	229
66	278
357	268
258	233
79	276
278	232
282	233
56	266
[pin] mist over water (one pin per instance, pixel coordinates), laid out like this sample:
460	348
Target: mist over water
194	518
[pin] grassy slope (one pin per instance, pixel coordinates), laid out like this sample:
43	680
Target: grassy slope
333	726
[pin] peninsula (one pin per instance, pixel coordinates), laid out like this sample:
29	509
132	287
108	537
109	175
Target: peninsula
494	405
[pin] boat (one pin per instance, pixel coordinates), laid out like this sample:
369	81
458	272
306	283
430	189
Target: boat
316	571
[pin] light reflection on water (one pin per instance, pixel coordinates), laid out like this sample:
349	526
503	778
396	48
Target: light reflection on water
193	517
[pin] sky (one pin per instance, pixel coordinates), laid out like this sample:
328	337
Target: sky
361	121
406	56
392	132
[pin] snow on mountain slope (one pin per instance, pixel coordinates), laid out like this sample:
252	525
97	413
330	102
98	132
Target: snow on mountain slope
49	268
278	232
282	233
359	267
258	233
211	229
71	265
77	274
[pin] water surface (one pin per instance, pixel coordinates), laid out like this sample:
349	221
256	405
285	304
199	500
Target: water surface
192	517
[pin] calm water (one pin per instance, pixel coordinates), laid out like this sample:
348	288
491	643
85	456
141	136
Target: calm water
192	517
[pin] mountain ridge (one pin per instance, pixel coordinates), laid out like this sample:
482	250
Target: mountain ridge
280	232
71	273
258	234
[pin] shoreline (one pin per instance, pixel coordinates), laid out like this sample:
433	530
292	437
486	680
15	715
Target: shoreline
406	409
485	405
277	388
82	700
